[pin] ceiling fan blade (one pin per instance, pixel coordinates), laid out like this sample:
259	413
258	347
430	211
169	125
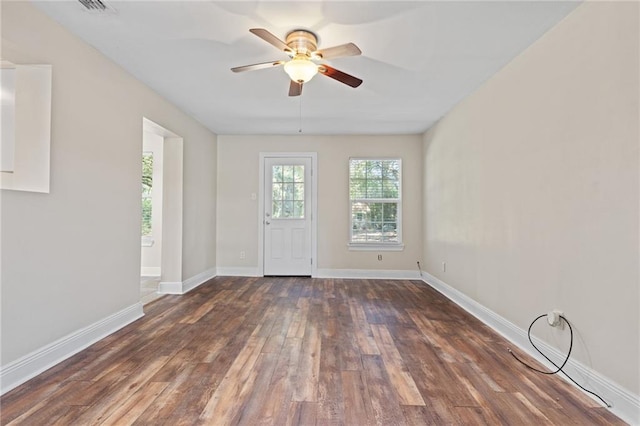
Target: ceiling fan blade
342	77
257	66
295	88
271	39
348	49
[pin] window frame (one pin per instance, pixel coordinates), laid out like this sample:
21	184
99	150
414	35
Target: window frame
378	245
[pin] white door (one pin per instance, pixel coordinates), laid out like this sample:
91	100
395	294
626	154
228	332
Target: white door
287	216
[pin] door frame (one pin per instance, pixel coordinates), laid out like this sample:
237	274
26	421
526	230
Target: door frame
314	205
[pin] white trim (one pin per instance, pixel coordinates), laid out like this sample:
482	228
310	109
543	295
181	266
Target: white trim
625	404
375	247
314	207
238	271
19	371
169	287
385	274
197	280
150	271
177	287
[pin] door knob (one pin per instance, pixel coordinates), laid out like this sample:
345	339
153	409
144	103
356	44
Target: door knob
267	222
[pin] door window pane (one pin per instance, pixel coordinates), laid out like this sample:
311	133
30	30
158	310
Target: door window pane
287	192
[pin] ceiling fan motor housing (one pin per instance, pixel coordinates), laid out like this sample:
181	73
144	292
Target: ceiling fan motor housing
302	42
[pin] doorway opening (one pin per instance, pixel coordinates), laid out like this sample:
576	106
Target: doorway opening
151	242
161	236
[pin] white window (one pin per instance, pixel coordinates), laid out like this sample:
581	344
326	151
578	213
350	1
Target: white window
147	194
375	193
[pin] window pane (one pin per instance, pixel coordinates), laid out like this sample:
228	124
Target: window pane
374	188
375	212
298	209
288	191
359	236
287	208
298	173
277	173
390	189
298	193
357	169
375	233
146	217
389	212
276	191
287	173
390	169
358	188
374	169
276	209
390	232
147	187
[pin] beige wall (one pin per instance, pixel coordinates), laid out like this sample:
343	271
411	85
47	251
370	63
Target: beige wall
72	257
531	188
238	162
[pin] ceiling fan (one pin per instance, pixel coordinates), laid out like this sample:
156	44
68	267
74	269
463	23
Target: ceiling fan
302	48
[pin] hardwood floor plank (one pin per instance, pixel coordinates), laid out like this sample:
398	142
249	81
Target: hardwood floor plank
399	376
306	387
224	402
299	321
331	409
300	351
385	404
276	399
45	410
364	336
250	412
349	349
128	413
301	414
169	400
357	406
107	403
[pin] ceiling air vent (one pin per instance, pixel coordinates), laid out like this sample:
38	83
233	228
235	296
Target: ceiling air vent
94	5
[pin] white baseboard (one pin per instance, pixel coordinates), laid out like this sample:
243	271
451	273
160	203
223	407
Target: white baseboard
388	274
170	287
19	371
196	280
625	404
177	287
330	273
238	272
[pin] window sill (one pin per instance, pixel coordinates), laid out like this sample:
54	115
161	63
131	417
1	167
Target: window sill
147	241
375	247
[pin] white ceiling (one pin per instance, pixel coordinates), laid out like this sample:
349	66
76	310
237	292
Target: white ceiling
418	59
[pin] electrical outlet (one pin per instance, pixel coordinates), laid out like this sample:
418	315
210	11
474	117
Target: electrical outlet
242	254
379	257
554	320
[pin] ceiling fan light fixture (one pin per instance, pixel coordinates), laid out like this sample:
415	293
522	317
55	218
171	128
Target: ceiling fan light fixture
301	69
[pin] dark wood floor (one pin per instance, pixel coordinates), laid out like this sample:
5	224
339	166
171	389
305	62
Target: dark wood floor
300	351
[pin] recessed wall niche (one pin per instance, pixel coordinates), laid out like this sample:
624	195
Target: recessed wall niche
25	127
